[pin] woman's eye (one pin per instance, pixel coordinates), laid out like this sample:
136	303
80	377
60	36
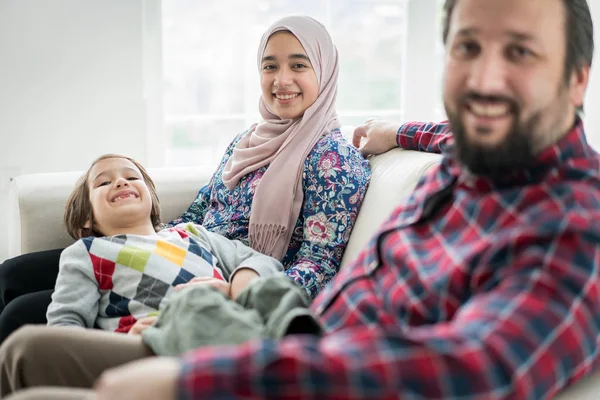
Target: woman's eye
298	66
268	67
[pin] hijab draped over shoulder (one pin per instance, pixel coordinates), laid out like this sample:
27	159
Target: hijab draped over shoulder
284	144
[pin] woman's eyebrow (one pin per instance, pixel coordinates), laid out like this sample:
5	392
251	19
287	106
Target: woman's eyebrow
291	56
299	55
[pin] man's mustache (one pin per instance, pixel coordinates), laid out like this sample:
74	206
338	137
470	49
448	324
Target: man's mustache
477	97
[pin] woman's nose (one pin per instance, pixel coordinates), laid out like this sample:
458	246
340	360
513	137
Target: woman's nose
283	78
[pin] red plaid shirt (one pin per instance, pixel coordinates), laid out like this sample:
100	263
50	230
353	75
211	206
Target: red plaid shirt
473	289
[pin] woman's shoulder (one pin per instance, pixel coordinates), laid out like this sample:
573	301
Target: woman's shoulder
336	144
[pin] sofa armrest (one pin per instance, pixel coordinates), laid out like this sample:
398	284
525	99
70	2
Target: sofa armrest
36	204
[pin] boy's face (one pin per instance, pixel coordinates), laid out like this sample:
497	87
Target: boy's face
119	196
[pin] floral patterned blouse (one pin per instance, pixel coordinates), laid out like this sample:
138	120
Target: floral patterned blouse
335	180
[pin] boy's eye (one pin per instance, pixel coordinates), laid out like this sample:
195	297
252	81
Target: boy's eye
133	178
104	183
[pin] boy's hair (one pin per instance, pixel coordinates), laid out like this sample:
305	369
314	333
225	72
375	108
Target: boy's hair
78	210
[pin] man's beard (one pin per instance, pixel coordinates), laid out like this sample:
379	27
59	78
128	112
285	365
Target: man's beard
515	152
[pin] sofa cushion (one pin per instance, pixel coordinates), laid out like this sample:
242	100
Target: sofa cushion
394	175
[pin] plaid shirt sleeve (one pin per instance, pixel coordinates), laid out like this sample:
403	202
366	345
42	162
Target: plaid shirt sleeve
525	337
423	136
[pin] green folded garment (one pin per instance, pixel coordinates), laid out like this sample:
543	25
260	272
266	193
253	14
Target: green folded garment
203	316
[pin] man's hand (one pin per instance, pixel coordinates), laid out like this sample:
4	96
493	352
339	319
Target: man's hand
141	325
153	378
375	137
222	285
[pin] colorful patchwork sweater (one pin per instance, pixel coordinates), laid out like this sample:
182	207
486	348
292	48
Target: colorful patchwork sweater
111	282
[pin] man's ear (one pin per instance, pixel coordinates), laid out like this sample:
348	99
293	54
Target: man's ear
578	85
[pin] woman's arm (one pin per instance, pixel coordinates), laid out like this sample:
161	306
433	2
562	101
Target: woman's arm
336	177
197	210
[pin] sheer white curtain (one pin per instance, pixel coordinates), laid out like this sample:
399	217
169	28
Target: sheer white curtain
211	83
391	59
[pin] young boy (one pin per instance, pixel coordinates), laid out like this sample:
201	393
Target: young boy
122	268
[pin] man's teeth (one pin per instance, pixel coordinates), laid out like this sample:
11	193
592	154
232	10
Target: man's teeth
125	196
286	96
490	110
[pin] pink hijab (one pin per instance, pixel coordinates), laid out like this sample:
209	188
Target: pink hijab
284	144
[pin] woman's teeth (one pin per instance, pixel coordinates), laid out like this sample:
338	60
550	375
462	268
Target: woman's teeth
286	96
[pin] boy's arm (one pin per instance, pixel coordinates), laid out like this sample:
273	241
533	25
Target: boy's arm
234	256
76	295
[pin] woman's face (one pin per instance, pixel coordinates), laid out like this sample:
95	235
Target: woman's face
288	80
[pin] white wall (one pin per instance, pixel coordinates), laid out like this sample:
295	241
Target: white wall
71	86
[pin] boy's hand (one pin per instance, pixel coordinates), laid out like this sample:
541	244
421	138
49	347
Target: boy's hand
203	281
142	324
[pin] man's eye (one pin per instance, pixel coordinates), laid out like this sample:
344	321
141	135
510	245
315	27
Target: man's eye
519	52
467	48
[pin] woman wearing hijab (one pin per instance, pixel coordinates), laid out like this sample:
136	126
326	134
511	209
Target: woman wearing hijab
291	186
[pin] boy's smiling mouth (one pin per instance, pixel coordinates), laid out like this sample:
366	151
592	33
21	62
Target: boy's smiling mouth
124	195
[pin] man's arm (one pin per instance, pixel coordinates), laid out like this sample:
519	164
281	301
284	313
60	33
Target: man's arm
376	137
527	337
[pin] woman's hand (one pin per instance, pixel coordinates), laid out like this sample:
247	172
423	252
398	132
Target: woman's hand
141	325
375	137
222	285
152	378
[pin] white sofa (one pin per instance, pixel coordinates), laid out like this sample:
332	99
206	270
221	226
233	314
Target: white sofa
36	208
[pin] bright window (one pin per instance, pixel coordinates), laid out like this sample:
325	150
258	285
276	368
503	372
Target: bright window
211	81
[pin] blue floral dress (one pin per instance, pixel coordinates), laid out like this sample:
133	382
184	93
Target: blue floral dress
335	180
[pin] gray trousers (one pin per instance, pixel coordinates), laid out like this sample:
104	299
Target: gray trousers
52	393
36	356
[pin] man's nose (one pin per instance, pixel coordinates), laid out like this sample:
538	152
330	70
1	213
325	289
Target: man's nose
488	74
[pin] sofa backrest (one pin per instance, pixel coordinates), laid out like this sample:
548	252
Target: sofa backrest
394	175
37	201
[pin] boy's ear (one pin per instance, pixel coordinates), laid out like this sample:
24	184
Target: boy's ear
87	225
